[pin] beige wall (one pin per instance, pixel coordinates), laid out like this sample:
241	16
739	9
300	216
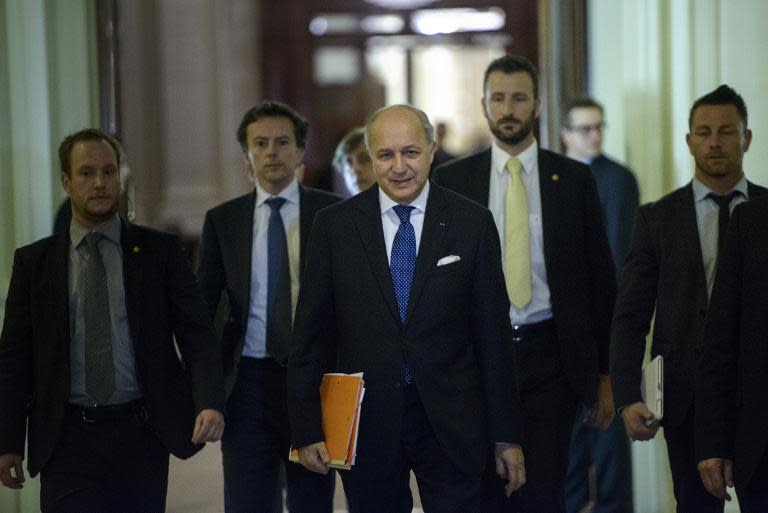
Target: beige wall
649	60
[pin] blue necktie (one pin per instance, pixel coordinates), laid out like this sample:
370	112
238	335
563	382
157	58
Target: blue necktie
278	284
402	262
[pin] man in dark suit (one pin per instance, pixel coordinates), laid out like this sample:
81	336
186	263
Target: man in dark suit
252	254
607	450
407	288
731	425
558	272
670	270
88	362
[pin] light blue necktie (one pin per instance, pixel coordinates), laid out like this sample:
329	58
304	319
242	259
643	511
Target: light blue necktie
401	264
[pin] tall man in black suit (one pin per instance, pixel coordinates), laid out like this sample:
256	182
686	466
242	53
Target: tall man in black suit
406	286
558	272
607	450
252	255
731	423
88	362
670	270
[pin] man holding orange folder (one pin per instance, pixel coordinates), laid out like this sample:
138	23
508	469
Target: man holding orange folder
405	284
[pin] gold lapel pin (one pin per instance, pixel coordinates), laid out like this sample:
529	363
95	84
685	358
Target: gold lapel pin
555	177
136	249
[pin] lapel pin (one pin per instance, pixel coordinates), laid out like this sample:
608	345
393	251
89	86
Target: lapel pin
442	224
555	177
136	249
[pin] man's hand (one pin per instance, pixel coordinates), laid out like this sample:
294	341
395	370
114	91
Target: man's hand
7	462
209	426
637	418
315	458
716	474
602	412
510	465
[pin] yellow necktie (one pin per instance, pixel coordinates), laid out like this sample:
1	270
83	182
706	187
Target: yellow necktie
517	248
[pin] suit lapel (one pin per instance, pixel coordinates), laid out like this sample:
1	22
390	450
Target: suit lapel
551	208
242	239
479	183
367	218
436	220
690	238
133	253
59	269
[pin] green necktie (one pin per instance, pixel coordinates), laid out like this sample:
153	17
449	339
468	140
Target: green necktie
99	368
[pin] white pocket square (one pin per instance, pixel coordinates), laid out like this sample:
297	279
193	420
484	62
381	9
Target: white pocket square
448	260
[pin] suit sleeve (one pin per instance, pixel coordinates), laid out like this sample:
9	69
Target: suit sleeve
16	361
191	323
716	378
313	339
601	274
491	329
627	209
633	312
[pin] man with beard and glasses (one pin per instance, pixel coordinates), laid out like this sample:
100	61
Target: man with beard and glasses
558	272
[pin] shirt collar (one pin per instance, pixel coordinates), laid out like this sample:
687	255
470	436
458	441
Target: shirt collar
701	191
290	193
110	230
528	158
386	203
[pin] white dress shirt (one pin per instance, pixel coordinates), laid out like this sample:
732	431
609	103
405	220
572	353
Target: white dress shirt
256	327
540	307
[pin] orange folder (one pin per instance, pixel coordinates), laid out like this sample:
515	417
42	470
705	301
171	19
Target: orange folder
340	398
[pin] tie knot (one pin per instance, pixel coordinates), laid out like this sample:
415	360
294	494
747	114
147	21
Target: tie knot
92	240
723	201
514	166
403	212
275	202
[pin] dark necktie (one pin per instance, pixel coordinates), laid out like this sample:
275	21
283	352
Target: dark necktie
278	284
99	367
723	216
402	262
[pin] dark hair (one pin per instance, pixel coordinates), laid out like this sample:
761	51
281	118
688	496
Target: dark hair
583	102
723	95
86	134
273	109
513	64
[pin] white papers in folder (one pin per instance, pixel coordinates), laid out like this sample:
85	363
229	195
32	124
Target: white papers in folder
652	388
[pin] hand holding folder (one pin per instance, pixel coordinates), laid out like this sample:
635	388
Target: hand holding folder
652	389
340	398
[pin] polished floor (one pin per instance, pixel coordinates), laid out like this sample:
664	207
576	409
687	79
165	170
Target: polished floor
196	485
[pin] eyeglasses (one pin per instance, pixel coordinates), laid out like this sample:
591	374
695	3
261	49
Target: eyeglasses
586	129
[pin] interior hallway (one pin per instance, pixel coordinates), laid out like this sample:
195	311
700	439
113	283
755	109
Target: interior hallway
196	485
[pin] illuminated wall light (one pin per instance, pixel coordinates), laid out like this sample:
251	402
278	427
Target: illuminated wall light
318	26
447	21
382	24
334	24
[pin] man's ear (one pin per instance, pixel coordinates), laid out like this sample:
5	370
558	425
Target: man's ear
247	166
66	182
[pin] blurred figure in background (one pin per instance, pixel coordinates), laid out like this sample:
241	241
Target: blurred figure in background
607	450
441	156
352	160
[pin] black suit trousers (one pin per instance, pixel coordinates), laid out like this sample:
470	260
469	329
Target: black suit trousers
690	494
118	466
549	407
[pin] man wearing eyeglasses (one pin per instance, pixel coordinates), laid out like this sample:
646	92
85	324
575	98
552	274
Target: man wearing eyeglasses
607	450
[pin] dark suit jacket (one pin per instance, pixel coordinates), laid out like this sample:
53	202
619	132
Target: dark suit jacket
663	271
619	198
732	379
454	338
577	257
162	300
225	264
